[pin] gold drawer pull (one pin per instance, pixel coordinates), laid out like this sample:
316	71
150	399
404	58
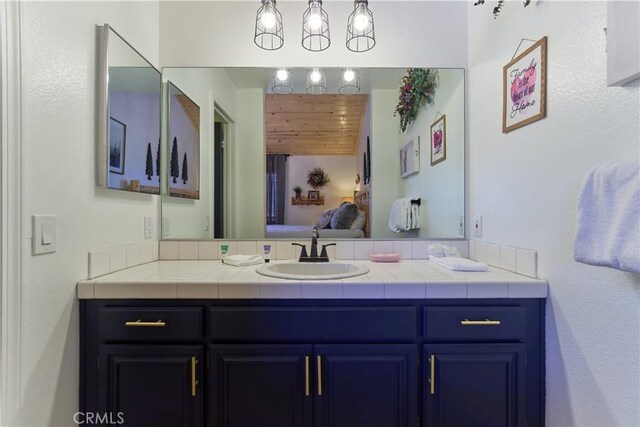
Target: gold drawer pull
485	322
319	359
139	322
432	379
194	382
306	375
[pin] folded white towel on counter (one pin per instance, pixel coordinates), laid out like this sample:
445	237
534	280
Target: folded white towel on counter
243	260
609	217
459	264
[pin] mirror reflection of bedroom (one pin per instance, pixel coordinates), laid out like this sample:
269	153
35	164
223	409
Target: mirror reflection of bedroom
354	153
316	149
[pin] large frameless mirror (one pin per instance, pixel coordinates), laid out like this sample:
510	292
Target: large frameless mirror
128	117
281	149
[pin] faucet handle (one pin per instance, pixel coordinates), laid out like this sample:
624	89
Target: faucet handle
323	253
303	254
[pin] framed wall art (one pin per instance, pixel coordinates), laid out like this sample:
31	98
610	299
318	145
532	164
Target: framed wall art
410	157
117	145
524	87
439	140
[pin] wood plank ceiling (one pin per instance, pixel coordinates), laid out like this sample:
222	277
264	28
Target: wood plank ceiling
301	124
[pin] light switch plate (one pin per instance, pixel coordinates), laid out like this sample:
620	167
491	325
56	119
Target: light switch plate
43	234
461	226
477	226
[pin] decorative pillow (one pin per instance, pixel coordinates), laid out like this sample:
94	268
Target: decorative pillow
359	222
325	219
344	216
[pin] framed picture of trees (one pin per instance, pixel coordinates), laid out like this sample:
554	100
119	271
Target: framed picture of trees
183	144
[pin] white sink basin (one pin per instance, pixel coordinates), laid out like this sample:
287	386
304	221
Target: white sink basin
312	271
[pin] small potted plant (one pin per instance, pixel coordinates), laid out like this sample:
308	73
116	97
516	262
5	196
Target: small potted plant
298	190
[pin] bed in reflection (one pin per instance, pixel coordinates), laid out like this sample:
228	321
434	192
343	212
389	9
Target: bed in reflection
347	221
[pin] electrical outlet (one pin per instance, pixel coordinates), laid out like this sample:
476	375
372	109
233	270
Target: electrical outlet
148	227
477	226
461	226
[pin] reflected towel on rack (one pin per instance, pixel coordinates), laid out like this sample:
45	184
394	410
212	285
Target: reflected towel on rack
404	215
609	217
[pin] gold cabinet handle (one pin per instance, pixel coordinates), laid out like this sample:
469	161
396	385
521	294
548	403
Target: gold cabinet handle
485	322
306	375
194	382
319	360
139	322
432	379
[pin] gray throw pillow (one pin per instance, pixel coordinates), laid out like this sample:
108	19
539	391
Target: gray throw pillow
344	216
359	222
325	219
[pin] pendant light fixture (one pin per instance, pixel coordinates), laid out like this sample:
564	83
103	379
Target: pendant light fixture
349	82
360	30
315	27
282	81
316	81
269	34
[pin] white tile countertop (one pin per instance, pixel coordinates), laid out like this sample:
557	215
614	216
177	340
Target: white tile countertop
415	279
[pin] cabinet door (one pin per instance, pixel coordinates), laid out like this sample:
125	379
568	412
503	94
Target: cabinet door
261	385
151	385
474	385
366	385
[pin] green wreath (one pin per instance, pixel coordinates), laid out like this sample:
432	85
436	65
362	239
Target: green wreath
418	88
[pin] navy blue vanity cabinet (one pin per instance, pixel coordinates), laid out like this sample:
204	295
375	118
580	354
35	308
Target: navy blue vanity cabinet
151	385
366	385
474	385
261	385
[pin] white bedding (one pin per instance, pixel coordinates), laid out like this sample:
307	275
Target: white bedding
284	231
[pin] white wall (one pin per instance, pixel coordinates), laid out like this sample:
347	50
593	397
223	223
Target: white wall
220	33
342	172
206	87
385	160
525	184
58	101
250	164
441	186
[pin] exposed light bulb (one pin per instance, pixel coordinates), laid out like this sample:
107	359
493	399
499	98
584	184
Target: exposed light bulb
315	19
348	75
361	21
268	19
315	75
282	75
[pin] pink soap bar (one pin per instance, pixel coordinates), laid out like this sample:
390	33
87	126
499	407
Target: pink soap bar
384	257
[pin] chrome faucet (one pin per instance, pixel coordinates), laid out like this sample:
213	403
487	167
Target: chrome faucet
313	257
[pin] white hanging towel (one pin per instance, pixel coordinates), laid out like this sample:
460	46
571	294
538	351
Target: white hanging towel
243	260
609	217
404	216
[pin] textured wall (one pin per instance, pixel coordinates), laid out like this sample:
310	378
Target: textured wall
525	184
58	81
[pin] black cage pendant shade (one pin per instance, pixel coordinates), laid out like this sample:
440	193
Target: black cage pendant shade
316	81
349	82
269	34
282	81
360	29
315	27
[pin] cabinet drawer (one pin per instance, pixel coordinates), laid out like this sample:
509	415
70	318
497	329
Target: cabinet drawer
313	324
475	323
150	324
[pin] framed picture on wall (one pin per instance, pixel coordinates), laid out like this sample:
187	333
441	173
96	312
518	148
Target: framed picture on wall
524	81
117	145
439	140
410	157
313	195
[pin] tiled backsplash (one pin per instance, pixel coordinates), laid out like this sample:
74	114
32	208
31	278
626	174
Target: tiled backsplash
282	249
518	260
107	261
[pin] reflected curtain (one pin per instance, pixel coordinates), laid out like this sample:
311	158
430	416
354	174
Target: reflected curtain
276	175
